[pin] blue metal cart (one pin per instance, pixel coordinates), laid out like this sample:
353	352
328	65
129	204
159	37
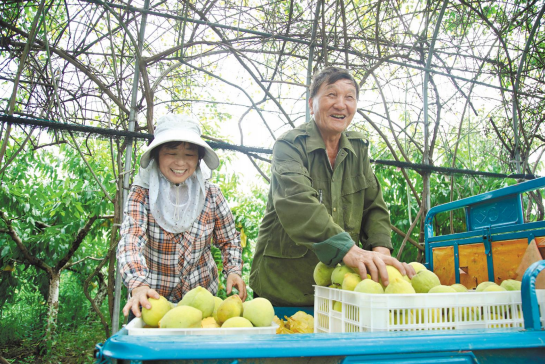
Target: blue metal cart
490	217
494	240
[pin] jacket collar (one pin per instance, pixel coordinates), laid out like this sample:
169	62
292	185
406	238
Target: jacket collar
315	140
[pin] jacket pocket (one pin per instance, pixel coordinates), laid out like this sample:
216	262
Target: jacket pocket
354	184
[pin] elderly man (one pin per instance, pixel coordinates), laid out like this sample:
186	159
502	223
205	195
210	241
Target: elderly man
324	201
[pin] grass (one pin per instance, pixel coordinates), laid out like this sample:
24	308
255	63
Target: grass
23	321
71	347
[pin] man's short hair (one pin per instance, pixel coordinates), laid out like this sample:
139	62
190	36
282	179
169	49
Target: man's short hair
330	75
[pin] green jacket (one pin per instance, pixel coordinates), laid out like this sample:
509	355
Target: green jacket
315	213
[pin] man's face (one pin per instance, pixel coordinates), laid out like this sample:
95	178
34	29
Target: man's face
334	107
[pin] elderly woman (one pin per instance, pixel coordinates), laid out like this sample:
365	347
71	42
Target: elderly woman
173	214
324	201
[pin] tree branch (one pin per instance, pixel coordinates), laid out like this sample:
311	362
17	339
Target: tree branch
385	139
416	219
30	258
63	54
409	239
82	233
259	170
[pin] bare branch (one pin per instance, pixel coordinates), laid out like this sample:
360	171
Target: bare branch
265	177
394	154
409	239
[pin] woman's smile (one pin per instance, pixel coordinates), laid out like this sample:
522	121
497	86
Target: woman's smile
179	163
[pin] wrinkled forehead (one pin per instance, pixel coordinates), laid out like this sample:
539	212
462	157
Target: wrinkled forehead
344	83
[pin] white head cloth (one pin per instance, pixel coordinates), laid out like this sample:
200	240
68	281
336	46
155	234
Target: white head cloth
174	207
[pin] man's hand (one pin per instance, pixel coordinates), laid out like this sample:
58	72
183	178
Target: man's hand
375	262
139	297
408	268
235	280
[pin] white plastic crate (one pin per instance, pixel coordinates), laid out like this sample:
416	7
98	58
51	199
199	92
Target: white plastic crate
406	312
136	327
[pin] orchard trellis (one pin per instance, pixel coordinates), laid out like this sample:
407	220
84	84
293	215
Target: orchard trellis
433	75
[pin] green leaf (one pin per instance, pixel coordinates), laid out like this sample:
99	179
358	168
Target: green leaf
5	251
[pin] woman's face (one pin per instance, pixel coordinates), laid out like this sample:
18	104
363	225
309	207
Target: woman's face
334	107
179	163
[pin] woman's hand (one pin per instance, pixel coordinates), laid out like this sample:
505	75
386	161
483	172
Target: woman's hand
235	280
139	297
374	263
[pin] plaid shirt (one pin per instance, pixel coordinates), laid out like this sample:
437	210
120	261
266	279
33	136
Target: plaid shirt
173	264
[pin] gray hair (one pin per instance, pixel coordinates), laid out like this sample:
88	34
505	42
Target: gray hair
330	75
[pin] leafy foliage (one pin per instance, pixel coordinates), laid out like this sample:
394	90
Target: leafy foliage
85	76
248	209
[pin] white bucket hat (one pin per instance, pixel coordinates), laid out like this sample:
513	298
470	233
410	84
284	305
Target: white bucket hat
183	128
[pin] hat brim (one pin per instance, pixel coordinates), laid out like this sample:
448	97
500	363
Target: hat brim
210	157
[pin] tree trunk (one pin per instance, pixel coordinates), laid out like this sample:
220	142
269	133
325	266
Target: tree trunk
53	308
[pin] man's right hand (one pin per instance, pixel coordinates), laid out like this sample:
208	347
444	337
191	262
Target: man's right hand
372	263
